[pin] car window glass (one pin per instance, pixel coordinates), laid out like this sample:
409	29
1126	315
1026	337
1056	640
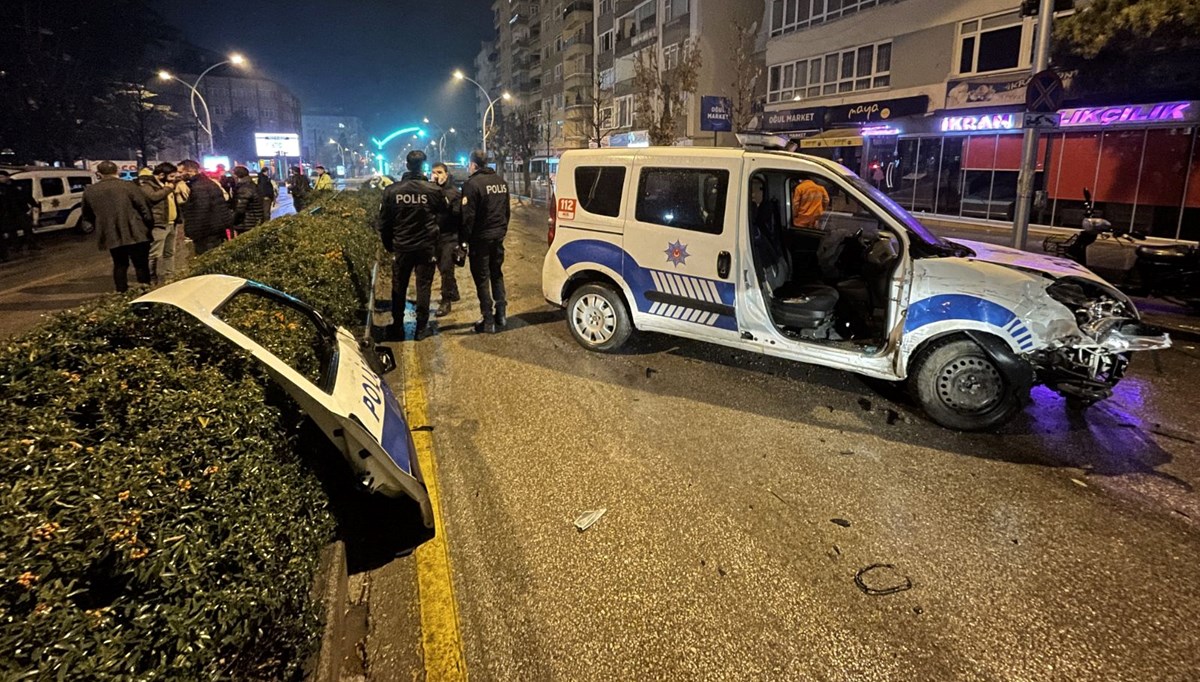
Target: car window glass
600	189
684	198
77	183
51	187
282	330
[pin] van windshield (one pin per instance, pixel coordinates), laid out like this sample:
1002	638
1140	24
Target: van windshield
914	226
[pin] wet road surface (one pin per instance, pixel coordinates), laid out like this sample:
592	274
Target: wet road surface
754	507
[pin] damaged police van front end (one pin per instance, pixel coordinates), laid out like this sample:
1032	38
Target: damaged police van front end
1075	331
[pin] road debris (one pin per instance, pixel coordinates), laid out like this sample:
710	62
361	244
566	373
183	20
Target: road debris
650	372
864	404
841	522
1079	483
588	518
881	579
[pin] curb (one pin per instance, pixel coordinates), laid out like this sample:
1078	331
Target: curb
330	588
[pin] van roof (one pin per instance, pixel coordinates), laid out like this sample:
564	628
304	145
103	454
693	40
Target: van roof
695	152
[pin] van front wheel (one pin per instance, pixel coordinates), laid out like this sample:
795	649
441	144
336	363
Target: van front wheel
598	318
960	387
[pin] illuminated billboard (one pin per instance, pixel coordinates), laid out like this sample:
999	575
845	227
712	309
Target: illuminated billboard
276	144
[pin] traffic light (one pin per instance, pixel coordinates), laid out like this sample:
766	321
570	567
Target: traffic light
1030	8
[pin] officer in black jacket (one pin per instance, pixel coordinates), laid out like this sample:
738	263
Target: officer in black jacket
485	213
451	234
408	224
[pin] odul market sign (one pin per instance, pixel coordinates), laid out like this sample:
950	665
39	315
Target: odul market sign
1170	112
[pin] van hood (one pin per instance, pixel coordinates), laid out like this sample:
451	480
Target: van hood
1024	260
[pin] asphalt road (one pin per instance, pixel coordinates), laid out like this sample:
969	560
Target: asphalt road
67	271
745	494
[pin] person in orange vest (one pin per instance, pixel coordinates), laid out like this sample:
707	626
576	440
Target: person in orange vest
810	201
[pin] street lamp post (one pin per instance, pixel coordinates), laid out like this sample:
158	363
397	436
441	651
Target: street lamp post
491	104
235	59
341	151
206	126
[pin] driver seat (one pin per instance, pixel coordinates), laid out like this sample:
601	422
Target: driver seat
804	306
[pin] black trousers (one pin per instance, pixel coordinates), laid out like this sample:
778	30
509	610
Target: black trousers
208	242
139	254
446	245
424	263
487	269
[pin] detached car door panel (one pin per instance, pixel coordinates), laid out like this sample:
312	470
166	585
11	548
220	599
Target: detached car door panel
349	401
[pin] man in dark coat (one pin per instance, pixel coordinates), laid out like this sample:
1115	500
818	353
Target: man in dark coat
266	190
485	212
206	214
408	225
450	235
298	187
247	204
123	222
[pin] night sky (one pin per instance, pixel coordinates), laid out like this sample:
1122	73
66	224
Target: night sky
386	61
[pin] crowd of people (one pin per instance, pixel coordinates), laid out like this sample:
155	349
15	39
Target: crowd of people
138	222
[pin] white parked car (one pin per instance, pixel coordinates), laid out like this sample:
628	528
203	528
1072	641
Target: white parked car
699	243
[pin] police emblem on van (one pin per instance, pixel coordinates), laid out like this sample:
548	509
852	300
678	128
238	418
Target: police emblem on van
677	254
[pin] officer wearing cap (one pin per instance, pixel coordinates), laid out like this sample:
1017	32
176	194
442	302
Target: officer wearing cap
485	213
408	224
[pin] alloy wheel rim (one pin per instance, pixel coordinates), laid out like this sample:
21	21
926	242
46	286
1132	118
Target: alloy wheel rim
594	319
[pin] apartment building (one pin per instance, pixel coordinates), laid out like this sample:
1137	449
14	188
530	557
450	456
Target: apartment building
624	28
925	98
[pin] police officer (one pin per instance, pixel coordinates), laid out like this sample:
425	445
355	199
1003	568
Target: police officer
451	234
408	224
485	214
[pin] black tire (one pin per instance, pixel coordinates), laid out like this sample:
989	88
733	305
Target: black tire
598	318
961	388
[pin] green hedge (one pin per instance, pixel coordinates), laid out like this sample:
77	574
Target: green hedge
158	516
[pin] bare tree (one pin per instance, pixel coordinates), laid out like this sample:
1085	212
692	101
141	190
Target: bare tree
598	121
660	94
130	117
747	71
518	136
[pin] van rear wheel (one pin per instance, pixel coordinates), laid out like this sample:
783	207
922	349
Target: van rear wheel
961	387
598	318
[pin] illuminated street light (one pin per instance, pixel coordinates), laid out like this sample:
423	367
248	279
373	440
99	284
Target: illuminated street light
237	59
459	75
206	126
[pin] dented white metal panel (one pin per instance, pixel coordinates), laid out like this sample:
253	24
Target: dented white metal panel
360	415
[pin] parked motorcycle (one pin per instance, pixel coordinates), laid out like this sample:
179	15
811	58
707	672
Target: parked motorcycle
1169	271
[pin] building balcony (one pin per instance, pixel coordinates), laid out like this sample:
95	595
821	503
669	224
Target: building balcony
626	46
577	12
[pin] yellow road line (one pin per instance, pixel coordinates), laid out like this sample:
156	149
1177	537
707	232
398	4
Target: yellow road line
441	634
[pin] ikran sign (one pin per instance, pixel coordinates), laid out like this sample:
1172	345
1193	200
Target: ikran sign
1170	112
981	122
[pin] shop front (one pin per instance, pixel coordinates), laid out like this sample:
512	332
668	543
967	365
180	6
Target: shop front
1140	162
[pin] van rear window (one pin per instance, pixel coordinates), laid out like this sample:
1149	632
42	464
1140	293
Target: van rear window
600	189
684	198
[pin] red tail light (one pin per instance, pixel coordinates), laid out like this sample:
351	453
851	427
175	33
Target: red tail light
553	220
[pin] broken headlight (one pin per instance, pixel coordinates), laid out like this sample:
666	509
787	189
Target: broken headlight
1098	308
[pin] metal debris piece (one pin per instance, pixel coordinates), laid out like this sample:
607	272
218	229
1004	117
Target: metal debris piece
841	522
884	580
586	519
1079	483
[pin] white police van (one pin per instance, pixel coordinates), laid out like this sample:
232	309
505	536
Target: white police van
700	243
58	193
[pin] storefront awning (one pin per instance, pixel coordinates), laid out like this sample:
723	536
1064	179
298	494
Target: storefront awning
833	138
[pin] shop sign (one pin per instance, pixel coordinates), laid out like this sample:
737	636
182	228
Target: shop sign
812	118
981	122
881	110
1170	112
633	138
995	91
716	114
